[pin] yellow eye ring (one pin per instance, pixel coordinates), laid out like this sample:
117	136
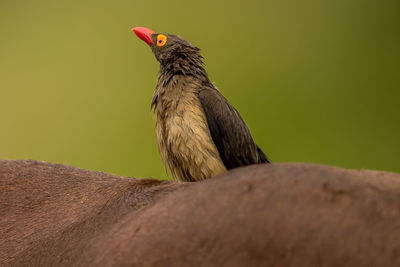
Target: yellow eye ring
161	40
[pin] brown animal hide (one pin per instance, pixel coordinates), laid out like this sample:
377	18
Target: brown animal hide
260	215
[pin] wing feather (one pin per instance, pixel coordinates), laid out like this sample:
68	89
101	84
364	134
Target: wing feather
228	130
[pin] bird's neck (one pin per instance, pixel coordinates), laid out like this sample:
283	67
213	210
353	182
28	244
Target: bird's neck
185	65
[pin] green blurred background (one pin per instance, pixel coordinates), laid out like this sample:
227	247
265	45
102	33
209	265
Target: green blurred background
316	81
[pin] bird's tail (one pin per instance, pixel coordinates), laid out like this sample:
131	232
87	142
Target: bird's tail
262	157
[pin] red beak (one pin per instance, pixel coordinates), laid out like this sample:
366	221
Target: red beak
144	34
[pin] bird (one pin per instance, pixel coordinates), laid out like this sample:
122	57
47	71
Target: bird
199	133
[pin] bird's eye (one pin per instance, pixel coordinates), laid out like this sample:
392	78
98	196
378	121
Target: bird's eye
161	40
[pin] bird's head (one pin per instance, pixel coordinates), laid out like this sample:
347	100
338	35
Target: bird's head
170	49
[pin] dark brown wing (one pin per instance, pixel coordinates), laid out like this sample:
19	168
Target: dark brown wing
228	131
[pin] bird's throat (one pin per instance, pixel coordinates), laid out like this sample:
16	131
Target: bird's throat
187	66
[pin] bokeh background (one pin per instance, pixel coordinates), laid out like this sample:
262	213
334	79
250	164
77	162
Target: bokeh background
316	81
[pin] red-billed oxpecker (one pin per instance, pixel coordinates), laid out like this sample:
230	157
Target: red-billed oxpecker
199	134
